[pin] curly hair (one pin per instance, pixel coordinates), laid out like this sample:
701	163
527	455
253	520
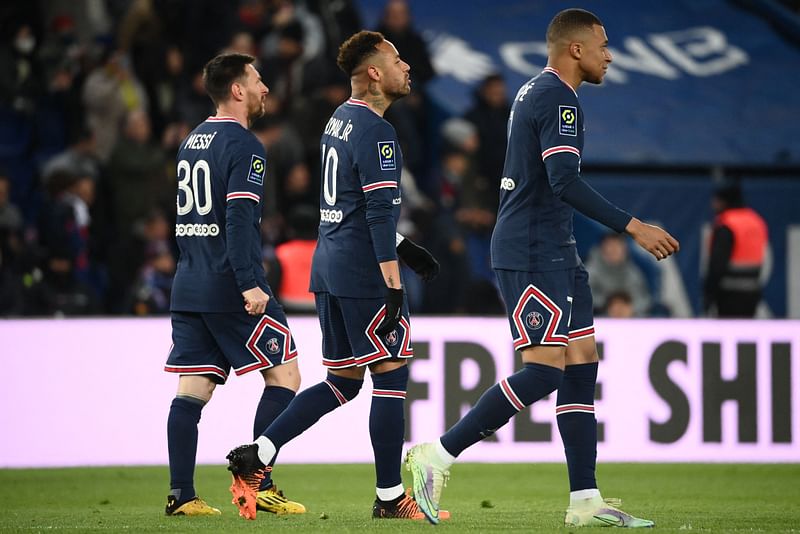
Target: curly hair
356	49
221	72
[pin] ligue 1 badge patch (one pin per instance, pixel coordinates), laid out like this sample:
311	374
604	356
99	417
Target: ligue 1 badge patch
568	120
386	155
258	167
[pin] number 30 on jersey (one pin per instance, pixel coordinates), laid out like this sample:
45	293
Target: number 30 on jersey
192	181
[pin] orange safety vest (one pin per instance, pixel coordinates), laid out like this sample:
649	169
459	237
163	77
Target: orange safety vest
749	236
295	259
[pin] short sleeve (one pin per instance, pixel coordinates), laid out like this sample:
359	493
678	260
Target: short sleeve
248	170
378	159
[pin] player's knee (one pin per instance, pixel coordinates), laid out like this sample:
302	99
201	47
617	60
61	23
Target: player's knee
348	387
196	386
394	380
534	381
285	376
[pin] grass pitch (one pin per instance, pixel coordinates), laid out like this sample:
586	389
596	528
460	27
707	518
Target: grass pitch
481	497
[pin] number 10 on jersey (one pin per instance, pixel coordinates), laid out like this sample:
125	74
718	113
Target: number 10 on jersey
330	164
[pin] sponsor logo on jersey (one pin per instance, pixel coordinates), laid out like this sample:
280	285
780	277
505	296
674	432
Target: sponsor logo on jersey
568	120
273	346
330	216
258	167
534	320
507	183
387	156
196	230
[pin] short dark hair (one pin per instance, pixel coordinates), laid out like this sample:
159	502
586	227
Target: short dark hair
356	49
221	72
567	22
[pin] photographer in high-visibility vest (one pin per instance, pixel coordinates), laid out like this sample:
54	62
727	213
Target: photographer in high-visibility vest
737	249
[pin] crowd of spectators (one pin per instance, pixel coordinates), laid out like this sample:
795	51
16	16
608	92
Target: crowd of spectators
96	96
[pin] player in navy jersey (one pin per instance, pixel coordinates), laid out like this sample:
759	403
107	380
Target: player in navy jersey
223	312
544	283
356	275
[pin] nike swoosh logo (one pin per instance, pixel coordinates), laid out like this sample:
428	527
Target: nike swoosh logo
612	521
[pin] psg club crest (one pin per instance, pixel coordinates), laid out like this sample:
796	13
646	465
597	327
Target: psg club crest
392	338
534	320
273	346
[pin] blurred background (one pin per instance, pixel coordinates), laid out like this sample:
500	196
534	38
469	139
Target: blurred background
699	112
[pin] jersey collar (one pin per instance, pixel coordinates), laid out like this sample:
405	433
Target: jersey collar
361	103
551	70
224	119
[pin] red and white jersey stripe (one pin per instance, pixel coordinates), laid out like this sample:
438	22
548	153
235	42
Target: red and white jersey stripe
574	408
379	185
581	333
389	393
224	119
559	149
512	397
242	194
341	398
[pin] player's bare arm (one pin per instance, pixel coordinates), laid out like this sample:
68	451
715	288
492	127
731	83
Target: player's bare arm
391	273
653	239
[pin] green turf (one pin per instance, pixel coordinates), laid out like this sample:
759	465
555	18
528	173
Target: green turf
482	498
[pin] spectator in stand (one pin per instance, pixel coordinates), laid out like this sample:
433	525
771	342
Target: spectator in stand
137	175
10	251
611	270
738	247
192	105
290	73
152	290
109	94
66	230
619	305
408	116
56	291
79	158
284	14
22	81
472	196
288	180
294	257
489	114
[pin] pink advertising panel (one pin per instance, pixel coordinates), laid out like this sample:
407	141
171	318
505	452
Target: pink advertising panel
93	392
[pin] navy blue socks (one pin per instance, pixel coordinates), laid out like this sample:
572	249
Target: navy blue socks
184	414
499	403
274	401
386	430
577	424
307	408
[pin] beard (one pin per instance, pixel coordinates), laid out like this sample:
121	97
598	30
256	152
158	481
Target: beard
256	109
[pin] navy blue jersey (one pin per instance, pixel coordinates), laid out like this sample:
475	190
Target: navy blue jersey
221	169
545	140
359	203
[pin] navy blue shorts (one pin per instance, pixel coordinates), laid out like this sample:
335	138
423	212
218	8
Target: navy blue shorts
348	331
211	343
547	308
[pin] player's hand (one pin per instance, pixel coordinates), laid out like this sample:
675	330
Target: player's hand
419	259
255	301
394	307
653	239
